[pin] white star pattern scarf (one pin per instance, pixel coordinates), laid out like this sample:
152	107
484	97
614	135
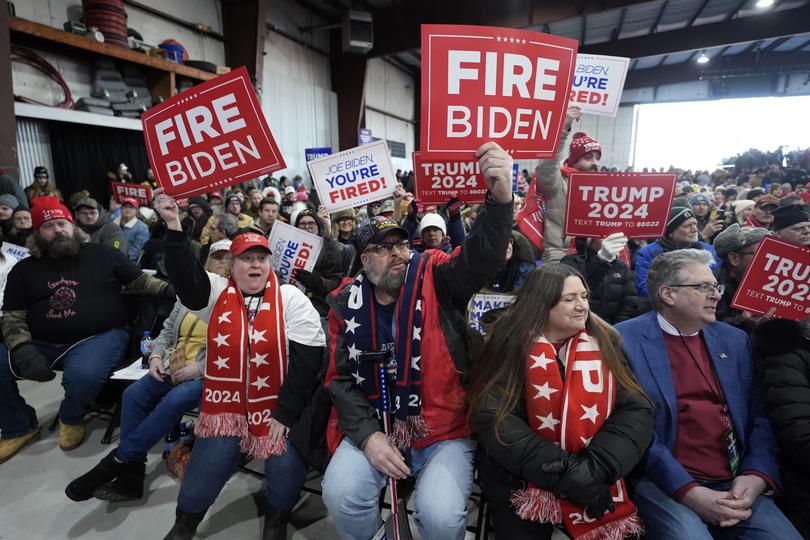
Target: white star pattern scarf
244	370
570	413
360	336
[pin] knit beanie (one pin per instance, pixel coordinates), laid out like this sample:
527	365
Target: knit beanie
677	216
700	197
581	144
9	200
47	209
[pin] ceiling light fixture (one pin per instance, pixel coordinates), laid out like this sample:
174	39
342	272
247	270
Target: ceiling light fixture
703	59
762	4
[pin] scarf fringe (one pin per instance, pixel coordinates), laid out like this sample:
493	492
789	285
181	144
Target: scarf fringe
537	505
616	530
221	425
261	447
404	433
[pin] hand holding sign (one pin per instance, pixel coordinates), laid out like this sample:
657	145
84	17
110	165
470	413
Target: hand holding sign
574	114
496	166
166	207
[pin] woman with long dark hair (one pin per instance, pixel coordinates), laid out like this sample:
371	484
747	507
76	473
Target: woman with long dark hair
559	416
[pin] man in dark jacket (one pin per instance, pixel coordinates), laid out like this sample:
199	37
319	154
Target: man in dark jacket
406	308
782	357
735	247
10	186
63	310
612	291
199	212
329	269
94	221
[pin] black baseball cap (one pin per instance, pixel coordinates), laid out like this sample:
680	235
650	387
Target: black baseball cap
376	229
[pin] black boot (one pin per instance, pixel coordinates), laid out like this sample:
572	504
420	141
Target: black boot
275	524
185	526
127	487
107	470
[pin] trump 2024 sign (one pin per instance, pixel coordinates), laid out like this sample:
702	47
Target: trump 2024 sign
209	137
481	83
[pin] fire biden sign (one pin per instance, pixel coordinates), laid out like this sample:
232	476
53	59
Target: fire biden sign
209	137
483	83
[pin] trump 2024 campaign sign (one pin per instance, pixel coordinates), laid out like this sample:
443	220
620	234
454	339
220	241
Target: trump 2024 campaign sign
598	83
210	137
602	203
482	83
778	277
439	178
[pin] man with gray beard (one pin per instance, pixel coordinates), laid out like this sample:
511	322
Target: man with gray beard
406	309
63	310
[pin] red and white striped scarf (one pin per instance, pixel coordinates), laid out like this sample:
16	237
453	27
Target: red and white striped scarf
245	367
570	413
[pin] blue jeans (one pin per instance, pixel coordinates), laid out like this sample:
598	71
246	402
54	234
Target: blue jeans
667	519
151	409
444	477
86	367
215	459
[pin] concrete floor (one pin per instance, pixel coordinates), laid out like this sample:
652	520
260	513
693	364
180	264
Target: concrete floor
33	504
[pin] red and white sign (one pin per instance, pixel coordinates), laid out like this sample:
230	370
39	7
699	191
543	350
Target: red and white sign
602	203
354	177
778	277
482	83
437	179
598	83
140	192
292	248
209	137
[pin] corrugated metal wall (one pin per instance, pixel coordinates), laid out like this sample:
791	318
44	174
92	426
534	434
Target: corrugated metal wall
33	148
298	102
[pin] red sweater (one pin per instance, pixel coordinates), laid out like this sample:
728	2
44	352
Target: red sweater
700	442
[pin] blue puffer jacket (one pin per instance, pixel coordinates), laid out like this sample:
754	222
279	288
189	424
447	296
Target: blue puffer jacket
645	256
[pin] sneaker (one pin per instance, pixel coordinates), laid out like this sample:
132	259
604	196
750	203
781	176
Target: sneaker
9	447
71	435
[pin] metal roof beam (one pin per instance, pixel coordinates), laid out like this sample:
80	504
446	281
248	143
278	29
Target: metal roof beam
733	66
697	13
745	30
654	27
397	28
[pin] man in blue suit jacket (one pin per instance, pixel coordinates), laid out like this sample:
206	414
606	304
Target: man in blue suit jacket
713	452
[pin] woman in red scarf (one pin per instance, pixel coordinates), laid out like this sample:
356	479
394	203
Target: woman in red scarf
264	352
559	416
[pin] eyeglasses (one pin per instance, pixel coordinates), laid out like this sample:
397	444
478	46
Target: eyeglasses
703	288
402	245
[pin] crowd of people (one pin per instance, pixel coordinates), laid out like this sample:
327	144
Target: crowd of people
619	392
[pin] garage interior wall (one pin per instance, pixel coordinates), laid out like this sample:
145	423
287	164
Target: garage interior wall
390	102
297	95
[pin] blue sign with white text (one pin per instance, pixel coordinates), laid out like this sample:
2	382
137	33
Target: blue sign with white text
317	153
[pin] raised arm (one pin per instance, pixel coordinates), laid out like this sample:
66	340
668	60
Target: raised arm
475	263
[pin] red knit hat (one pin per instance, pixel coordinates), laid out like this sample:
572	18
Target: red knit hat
581	144
47	209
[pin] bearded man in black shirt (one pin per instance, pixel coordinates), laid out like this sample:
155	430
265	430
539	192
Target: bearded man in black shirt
63	310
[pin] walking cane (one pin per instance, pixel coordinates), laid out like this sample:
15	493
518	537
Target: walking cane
396	527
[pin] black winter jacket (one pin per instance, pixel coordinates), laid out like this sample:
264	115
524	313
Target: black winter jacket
782	359
613	291
506	467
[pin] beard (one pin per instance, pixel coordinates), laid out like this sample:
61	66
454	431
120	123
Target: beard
60	246
388	281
